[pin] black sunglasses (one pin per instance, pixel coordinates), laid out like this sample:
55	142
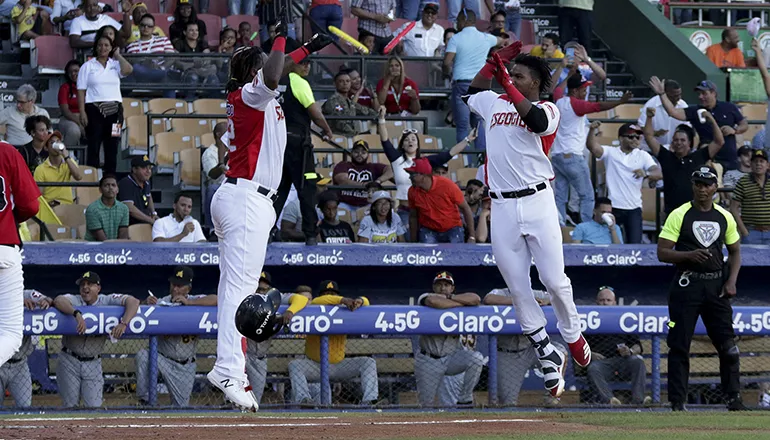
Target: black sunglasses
632	136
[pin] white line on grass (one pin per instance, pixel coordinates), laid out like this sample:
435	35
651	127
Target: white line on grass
141	417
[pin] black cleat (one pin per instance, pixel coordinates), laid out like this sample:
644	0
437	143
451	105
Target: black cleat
736	404
678	406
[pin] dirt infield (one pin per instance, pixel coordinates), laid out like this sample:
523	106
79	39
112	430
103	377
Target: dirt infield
278	427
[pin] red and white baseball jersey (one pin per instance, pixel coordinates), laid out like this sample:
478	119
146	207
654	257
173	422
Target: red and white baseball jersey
18	194
573	128
516	157
256	134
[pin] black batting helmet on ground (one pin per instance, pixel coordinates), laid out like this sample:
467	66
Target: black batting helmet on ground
257	317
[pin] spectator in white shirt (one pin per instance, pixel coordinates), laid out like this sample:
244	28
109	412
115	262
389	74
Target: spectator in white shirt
426	36
627	166
213	163
567	152
64	11
150	70
663	124
179	226
83	29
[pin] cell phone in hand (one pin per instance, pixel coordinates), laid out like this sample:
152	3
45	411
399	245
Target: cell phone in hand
570	51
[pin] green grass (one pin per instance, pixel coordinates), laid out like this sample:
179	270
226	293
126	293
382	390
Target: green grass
666	420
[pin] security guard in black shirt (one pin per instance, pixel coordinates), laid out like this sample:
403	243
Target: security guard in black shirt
300	109
692	239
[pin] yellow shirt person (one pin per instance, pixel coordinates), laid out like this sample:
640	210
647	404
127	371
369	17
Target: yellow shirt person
336	342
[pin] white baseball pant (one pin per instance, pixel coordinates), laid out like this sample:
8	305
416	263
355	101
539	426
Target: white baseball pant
242	221
11	302
522	229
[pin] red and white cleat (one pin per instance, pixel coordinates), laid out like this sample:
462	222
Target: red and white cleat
553	373
581	352
235	391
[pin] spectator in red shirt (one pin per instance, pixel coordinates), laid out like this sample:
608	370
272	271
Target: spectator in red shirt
433	207
398	93
361	91
69	123
358	172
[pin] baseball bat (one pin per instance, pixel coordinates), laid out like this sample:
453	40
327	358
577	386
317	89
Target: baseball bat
350	40
398	38
330	142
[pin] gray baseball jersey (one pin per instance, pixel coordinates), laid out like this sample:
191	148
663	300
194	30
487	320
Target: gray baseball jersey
178	348
438	345
26	343
260	349
90	345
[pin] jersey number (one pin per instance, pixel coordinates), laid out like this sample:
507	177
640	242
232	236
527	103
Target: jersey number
279	112
230	134
3	201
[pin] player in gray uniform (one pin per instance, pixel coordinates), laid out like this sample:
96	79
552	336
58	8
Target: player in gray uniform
515	353
176	354
79	368
14	374
442	355
452	386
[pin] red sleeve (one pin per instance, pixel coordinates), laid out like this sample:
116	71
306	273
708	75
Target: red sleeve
63	95
583	107
379	86
23	188
558	93
341	167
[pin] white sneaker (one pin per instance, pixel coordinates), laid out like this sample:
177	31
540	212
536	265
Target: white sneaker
235	391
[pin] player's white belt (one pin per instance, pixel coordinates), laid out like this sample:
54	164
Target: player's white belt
267	192
520	193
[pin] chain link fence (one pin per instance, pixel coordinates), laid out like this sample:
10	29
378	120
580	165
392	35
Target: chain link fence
379	372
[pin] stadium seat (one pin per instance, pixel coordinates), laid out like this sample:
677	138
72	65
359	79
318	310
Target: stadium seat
395	129
153	6
527	32
85	195
191	127
49	54
166	144
60	232
81	232
456	163
140	232
235	20
136	130
566	234
167	105
628	111
132	107
429	143
207	106
71	215
90	174
610	129
207	139
213	27
34	230
324	172
465	174
164	21
748	135
754	112
187	169
648	205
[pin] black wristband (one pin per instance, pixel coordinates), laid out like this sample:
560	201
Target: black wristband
76	313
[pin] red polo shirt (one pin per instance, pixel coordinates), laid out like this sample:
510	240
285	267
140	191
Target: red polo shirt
437	207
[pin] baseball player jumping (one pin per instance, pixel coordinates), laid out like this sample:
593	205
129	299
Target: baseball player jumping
242	208
525	222
18	202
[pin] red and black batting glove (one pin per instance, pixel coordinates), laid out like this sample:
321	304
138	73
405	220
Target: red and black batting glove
504	79
509	52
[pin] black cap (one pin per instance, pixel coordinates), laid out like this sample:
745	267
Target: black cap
140	161
706	85
360	144
745	150
328	286
577	81
430	7
183	276
628	128
705	174
758	154
265	276
91	277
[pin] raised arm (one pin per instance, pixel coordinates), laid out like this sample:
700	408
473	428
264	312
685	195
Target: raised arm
592	143
649	132
656	84
582	55
719	139
761	65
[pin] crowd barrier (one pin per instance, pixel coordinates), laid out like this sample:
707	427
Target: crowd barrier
403	324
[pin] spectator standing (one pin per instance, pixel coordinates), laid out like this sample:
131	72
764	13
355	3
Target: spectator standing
381	226
361	91
79	368
69	122
30	21
107	218
616	357
134	33
358	172
268	12
134	191
301	371
434	216
458	9
679	161
213	163
397	92
749	205
374	16
150	70
575	20
726	53
581	63
601	229
341	104
244	7
548	47
14	117
511	10
184	14
326	13
179	226
83	30
497	23
727	115
663	125
466	54
331	229
100	102
426	36
34	152
731	178
444	355
569	164
627	166
59	167
64	11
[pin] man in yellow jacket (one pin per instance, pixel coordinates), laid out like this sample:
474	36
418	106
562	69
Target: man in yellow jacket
302	371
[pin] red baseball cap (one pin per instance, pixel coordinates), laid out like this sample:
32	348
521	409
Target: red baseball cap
421	166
